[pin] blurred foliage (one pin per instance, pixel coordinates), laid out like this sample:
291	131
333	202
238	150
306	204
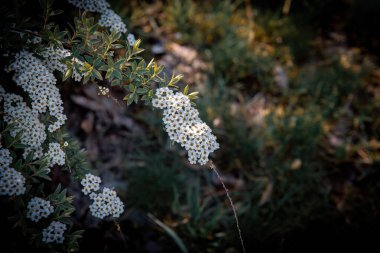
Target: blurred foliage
295	107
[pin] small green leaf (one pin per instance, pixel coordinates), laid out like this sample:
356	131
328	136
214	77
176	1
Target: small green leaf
142	90
19	146
116	46
193	95
97	74
186	90
104	68
68	74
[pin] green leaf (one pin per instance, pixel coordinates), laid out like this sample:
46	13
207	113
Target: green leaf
131	87
135	97
117	74
116	46
19	146
18	165
170	232
119	62
29	157
104	67
55	12
97	74
115	82
193	95
109	73
186	90
130	100
68	74
142	90
89	59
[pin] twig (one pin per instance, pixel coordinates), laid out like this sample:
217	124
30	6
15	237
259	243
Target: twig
118	228
286	7
251	22
212	166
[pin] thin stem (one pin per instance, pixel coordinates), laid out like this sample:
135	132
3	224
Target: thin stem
118	229
212	166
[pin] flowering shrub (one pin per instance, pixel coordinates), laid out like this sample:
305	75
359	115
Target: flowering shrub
33	140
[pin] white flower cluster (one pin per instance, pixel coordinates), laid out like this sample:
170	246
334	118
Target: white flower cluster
108	17
103	90
5	157
35	40
131	39
112	21
106	202
91	5
90	183
37	152
39	82
184	126
24	119
56	154
39	208
54	232
12	182
53	60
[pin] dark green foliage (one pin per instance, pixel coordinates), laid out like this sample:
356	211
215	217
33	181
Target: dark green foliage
308	152
154	181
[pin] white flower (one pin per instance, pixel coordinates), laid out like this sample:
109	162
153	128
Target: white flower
90	183
112	21
38	81
54	232
56	154
183	125
5	158
106	203
39	208
37	152
131	39
108	17
24	119
53	60
92	195
36	40
12	182
91	5
103	90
